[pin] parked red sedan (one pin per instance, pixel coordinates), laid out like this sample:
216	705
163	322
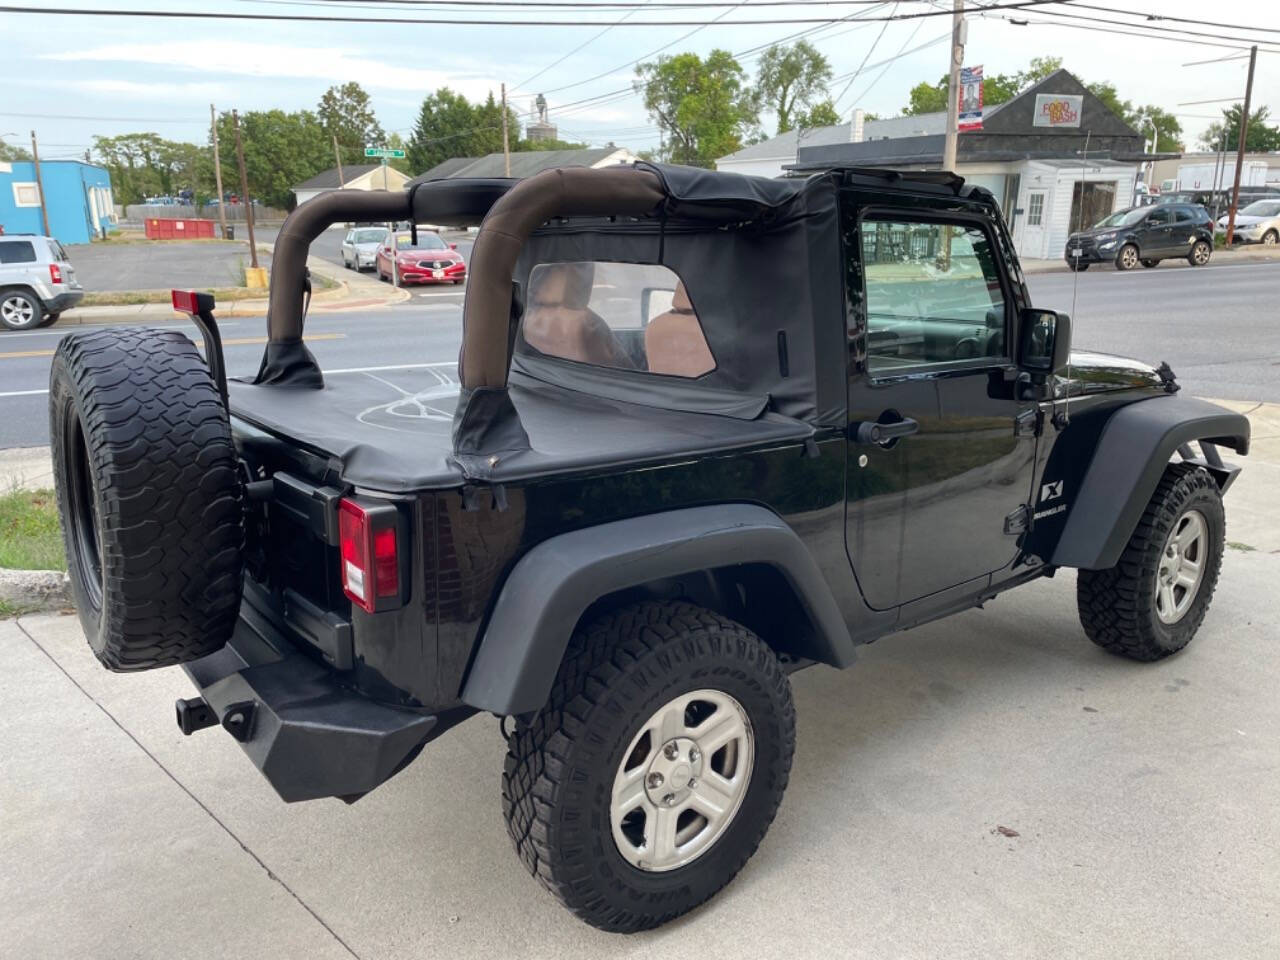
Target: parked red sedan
431	261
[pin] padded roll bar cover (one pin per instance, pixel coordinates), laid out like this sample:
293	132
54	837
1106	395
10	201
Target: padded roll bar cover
1131	455
570	191
308	221
456	203
550	587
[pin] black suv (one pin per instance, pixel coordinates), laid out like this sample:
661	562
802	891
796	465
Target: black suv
704	430
1145	235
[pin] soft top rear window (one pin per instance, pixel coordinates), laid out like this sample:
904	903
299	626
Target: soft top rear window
621	316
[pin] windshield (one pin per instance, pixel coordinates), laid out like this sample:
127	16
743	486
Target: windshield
1263	208
1124	218
426	241
368	236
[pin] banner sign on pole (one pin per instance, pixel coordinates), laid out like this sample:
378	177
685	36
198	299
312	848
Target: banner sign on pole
1058	110
970	98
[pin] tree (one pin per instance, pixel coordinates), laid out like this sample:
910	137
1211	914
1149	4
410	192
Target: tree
1168	129
996	87
345	113
145	164
280	151
926	98
445	122
792	83
822	114
704	107
1258	138
1040	68
12	154
1105	91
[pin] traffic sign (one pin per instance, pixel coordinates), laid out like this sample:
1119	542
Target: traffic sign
384	152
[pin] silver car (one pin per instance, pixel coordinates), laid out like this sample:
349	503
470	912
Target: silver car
37	282
1259	222
360	248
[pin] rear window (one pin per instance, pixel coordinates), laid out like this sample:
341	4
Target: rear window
17	251
621	316
58	250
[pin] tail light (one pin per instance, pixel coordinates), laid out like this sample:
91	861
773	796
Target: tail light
55	273
369	542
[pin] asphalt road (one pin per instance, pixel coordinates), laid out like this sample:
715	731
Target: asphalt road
1218	327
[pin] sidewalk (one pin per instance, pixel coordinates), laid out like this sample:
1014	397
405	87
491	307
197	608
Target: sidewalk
1255	253
353	292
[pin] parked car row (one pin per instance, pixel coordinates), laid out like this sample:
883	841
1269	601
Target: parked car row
37	281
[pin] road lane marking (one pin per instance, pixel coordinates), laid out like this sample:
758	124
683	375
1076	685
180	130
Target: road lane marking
24	393
234	342
69	328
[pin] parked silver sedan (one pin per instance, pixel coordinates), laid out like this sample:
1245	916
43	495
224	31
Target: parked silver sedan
1259	222
360	247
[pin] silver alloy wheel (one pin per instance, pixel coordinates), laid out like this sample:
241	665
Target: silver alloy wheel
1129	257
1270	238
681	780
16	311
1181	567
1200	254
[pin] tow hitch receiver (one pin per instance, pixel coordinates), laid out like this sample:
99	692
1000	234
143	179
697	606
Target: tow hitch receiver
195	714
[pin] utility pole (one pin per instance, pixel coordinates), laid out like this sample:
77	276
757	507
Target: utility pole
506	149
953	86
44	210
244	191
337	155
1244	131
217	172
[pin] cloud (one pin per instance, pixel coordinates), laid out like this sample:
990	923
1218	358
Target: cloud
178	92
269	60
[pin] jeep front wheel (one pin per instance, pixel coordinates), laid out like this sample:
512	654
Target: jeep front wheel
653	772
1151	603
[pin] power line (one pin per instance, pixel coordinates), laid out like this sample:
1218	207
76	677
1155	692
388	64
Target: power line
581	46
902	52
870	50
1243	45
313	18
1148	27
1161	16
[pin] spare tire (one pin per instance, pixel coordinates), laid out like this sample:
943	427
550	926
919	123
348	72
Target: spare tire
149	495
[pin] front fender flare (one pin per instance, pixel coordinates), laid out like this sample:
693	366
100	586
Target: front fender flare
1133	452
553	584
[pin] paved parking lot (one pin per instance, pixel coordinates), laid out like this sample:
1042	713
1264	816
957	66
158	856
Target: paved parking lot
1145	800
160	266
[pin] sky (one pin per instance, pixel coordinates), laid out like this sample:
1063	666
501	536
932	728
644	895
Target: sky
71	77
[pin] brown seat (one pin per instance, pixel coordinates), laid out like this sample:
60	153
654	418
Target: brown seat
674	343
559	324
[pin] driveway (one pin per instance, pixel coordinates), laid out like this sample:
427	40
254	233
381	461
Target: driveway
988	786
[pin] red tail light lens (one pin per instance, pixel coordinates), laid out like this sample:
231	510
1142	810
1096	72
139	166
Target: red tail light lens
55	273
369	546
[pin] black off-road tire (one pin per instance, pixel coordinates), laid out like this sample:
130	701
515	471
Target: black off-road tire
149	496
561	762
1118	606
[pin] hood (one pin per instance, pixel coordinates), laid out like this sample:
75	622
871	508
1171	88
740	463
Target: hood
430	255
1091	373
1245	220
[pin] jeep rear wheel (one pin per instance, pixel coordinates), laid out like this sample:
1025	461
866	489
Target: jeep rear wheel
653	772
148	494
1151	603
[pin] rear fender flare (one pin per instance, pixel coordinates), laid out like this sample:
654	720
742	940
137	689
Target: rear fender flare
551	586
1132	453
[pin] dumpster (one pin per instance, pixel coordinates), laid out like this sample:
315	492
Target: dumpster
159	228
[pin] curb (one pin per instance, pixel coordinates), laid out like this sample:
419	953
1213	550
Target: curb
35	591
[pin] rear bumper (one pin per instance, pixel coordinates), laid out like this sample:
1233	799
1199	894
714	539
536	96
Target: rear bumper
63	301
310	736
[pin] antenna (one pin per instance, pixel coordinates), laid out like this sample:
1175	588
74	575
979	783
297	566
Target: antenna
1075	280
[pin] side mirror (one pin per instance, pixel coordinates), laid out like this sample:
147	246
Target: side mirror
1044	343
453	246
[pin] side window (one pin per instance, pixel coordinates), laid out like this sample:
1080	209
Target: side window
1184	215
1159	217
625	316
933	295
17	251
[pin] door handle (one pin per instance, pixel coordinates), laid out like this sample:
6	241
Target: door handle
869	431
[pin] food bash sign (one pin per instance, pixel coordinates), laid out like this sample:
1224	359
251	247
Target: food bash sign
1058	110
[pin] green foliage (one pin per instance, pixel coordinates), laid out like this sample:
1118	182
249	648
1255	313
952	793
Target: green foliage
821	114
926	98
145	164
449	125
12	154
346	113
280	150
1168	129
996	87
704	107
792	83
30	537
1259	137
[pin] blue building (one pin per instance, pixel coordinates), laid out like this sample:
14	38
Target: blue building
78	196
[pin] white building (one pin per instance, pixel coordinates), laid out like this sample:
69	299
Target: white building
360	176
1049	178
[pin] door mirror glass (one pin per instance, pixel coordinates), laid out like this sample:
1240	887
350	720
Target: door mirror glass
1045	341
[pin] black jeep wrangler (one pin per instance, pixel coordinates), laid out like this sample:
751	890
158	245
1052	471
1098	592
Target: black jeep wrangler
703	430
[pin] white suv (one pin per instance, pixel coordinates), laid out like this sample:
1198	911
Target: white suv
36	281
